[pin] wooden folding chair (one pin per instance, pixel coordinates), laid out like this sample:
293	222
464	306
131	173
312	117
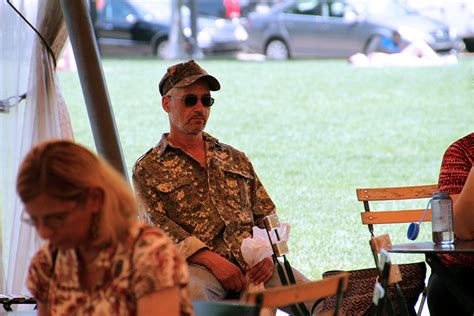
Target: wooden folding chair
305	292
371	217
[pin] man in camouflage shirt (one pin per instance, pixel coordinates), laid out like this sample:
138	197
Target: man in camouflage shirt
204	194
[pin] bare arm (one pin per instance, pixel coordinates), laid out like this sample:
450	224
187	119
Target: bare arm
464	209
228	274
163	302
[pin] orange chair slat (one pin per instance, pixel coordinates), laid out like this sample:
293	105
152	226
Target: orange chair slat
394	217
396	193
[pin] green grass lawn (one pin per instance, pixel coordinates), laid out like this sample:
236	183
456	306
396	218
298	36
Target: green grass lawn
314	130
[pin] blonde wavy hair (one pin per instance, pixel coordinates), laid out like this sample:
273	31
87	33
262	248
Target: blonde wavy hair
66	170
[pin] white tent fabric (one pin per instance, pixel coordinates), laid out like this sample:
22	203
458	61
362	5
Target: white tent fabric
26	66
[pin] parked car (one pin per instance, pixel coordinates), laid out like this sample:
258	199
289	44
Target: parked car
144	26
338	28
455	13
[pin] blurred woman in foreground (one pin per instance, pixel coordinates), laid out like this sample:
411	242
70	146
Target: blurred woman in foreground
98	260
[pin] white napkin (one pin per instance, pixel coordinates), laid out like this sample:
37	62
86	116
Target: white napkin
258	247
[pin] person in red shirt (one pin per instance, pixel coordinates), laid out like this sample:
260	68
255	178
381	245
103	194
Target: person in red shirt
457	178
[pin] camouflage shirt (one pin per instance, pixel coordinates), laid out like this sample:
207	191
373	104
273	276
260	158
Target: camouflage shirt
214	207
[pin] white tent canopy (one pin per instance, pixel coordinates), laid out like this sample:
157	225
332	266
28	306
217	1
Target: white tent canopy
27	65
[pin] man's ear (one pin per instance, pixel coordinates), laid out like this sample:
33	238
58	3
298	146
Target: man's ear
165	103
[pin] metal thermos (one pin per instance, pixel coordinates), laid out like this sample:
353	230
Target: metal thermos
442	222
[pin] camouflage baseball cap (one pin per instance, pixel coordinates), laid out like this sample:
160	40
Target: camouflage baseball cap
183	74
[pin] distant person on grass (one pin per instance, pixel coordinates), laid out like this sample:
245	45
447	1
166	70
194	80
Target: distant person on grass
203	193
393	51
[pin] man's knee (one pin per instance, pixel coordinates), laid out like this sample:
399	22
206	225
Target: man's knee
203	285
275	279
199	291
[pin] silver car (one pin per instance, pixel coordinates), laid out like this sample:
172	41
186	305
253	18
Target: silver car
144	25
338	28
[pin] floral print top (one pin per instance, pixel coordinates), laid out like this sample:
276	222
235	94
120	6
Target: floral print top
147	262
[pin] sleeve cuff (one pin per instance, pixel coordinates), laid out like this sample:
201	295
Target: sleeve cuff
190	246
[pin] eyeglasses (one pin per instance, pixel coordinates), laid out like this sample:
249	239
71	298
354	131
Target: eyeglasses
191	100
53	221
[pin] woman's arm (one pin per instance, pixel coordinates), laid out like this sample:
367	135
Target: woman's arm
464	210
163	302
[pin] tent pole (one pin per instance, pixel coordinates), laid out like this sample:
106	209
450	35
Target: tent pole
94	88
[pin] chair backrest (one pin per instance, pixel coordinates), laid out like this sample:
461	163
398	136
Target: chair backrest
371	217
383	242
205	308
305	292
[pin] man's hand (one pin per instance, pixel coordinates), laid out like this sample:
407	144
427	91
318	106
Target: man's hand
262	271
230	275
227	273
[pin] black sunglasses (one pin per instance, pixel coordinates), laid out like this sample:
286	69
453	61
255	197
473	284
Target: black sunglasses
191	100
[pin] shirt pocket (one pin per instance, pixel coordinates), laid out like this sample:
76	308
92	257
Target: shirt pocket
238	193
178	197
173	185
